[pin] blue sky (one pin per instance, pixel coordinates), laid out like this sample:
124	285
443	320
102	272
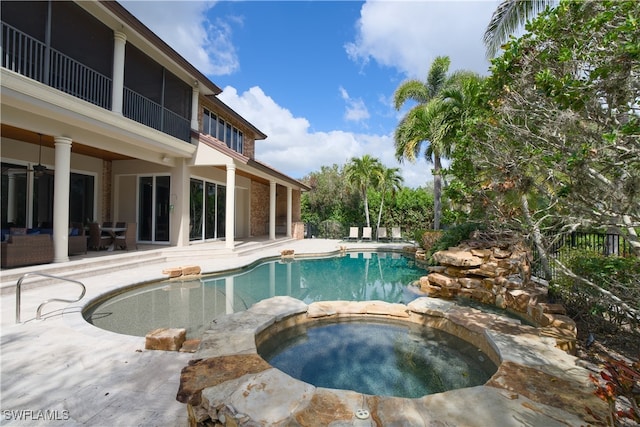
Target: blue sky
318	76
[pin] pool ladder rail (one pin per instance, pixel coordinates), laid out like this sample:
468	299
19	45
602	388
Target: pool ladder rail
38	312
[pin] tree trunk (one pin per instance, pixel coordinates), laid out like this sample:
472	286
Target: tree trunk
437	192
380	212
366	208
537	238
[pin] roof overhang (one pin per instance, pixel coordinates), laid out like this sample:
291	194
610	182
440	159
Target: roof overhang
211	152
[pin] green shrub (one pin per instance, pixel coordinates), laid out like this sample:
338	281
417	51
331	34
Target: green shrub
618	275
454	235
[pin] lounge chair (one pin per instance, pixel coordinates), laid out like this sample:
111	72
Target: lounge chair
353	233
366	233
396	234
382	233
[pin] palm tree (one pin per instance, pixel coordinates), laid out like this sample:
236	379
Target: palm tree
362	173
507	18
423	123
389	179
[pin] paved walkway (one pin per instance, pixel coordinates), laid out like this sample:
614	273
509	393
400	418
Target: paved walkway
64	371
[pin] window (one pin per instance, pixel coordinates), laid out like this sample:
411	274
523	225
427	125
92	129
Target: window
223	131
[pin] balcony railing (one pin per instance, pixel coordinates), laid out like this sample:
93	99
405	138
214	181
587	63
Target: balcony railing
150	113
28	56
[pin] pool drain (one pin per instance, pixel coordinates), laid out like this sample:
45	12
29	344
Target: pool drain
362	414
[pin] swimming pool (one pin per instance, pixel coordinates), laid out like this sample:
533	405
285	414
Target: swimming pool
192	304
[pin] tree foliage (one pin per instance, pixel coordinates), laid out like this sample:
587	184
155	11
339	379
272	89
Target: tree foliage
554	144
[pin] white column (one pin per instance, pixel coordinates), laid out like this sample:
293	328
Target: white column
272	210
11	197
289	208
230	213
61	199
179	203
117	86
194	107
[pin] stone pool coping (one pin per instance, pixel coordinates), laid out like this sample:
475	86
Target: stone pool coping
536	383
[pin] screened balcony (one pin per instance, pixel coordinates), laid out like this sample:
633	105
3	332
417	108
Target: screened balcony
31	58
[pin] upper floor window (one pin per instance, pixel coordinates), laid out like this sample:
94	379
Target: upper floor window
224	131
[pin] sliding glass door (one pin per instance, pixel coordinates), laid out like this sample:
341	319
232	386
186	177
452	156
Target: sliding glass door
154	193
206	210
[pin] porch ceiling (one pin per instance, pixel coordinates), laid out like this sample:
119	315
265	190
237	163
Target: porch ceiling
78	147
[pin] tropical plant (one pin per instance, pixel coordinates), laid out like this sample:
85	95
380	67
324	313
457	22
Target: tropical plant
388	180
362	173
423	124
507	19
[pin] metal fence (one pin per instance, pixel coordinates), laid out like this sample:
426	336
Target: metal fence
562	246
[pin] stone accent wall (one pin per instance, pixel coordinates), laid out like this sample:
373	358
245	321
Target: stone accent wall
249	147
105	214
500	275
259	221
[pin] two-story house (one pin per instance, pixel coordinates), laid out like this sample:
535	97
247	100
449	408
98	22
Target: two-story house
103	121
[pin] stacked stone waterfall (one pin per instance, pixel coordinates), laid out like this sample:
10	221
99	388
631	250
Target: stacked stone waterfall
485	274
498	274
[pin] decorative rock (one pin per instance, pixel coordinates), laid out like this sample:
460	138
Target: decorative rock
386	308
457	257
287	253
200	374
191	270
440	279
501	253
190	346
167	339
173	272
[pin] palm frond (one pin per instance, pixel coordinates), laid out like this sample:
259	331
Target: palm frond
507	19
414	90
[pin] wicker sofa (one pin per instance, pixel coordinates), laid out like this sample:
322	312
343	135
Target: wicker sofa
27	249
77	239
22	247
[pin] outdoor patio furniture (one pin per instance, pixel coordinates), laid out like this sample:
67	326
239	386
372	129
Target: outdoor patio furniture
26	249
366	233
382	233
128	239
98	240
77	239
396	234
354	233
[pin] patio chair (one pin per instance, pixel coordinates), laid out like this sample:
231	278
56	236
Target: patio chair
97	240
396	234
382	233
128	239
366	233
353	233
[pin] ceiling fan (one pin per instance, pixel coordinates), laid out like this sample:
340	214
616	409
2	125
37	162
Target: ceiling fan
38	170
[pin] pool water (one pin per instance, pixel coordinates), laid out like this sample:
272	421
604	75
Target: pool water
192	304
377	358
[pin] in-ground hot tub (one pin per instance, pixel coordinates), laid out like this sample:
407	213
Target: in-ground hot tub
229	383
376	356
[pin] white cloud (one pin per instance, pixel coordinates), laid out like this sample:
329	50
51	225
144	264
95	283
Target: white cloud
408	35
393	34
184	26
291	147
356	110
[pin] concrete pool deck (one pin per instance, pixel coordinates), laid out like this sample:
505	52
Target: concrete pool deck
64	371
